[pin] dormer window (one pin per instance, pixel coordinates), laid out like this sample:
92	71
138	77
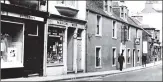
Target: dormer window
122	13
106	5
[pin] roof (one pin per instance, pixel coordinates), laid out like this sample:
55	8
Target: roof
133	22
91	6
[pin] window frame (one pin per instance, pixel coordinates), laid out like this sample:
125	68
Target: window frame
100	25
22	55
100	53
36	33
114	27
129	56
115	56
63	3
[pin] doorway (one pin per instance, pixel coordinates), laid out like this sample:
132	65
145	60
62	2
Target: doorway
70	49
79	50
133	57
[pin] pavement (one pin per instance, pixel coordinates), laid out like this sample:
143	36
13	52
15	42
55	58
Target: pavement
82	75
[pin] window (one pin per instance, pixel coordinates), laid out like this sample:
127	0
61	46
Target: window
12	44
99	25
106	5
55	46
122	10
114	30
98	56
33	29
128	33
110	8
129	56
114	57
138	57
70	3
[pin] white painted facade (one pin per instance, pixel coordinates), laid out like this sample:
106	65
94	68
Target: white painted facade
81	15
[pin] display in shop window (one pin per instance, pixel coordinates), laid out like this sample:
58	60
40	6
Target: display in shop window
11	45
55	47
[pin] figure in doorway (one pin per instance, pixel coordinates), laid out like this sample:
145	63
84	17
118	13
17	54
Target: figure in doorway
121	60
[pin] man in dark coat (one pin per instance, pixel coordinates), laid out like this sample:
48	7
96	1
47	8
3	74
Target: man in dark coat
121	60
144	59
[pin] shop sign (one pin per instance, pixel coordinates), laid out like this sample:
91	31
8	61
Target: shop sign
60	22
22	16
137	41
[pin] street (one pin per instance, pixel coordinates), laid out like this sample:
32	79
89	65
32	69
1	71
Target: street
148	74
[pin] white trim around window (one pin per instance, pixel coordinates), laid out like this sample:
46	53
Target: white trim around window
99	33
100	52
114	29
114	55
129	55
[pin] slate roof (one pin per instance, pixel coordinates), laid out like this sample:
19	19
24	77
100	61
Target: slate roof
92	6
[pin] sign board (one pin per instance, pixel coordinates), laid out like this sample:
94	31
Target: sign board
145	47
22	16
137	41
61	22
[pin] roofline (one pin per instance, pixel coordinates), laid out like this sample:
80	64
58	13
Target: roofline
114	18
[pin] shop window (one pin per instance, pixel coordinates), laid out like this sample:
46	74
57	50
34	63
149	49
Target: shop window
129	56
12	44
55	46
114	56
98	56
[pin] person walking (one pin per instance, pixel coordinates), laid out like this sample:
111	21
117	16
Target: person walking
144	60
121	60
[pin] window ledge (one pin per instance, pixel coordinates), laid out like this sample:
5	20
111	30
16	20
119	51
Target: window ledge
113	65
114	38
128	63
98	35
98	67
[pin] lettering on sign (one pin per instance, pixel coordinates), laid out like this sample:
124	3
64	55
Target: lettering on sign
22	16
61	22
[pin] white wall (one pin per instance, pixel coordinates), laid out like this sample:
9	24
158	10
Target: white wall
81	6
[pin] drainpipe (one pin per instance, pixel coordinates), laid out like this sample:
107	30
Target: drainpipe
87	12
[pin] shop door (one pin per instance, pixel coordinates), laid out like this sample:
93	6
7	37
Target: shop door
79	51
33	50
70	49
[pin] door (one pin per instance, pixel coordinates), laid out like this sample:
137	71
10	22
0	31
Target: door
133	57
124	54
70	49
79	50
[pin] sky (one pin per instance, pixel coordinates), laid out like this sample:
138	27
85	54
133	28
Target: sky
138	6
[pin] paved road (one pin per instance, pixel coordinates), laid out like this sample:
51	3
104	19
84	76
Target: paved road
148	74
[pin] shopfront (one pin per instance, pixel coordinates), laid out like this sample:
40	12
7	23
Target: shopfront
22	41
65	38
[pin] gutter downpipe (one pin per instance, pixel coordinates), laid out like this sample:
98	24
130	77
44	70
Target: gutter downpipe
87	12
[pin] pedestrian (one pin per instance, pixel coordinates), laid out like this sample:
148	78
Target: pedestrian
121	60
144	60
